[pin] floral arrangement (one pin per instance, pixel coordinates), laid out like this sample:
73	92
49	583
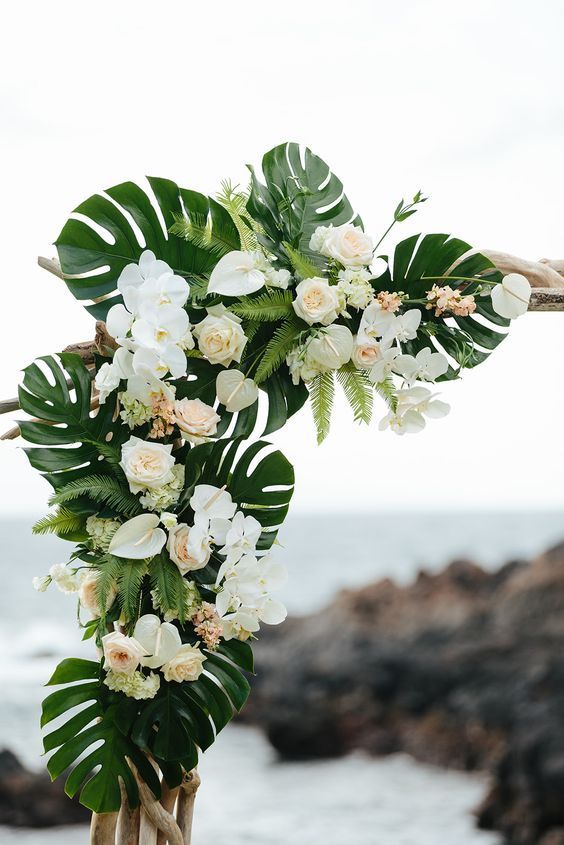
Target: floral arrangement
212	309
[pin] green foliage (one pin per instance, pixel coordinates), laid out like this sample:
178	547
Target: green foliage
94	771
63	523
301	264
235	203
297	196
387	391
322	393
419	262
168	584
109	568
103	489
211	231
130	578
358	390
278	348
99	259
267	307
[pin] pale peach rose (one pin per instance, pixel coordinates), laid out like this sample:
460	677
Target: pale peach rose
88	595
347	244
366	353
187	665
122	654
189	548
317	301
195	419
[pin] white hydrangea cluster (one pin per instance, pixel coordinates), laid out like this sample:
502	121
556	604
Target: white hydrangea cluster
137	685
101	531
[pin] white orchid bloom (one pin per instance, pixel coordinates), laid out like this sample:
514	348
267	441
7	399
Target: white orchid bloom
421	399
212	502
161	640
272	612
156	292
161	327
133	275
241	537
383	368
138	538
409	422
426	365
235	391
240	624
404	326
154	364
236	274
144	388
375	322
511	298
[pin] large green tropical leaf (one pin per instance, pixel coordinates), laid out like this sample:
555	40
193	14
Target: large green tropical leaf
418	263
100	732
110	230
298	195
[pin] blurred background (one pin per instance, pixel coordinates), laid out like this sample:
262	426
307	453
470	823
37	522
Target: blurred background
394	702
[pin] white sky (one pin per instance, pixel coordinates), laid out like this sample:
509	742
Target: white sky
462	101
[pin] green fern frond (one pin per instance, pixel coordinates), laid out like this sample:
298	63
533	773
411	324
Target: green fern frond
268	307
321	394
63	522
235	203
387	391
198	287
100	488
303	266
250	327
130	582
168	584
199	232
358	390
280	345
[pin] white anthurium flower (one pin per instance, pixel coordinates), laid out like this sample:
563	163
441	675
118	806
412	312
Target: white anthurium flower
138	538
235	391
384	367
242	536
133	275
404	327
375	323
236	274
167	289
511	298
155	364
331	348
161	640
213	502
161	327
426	365
119	321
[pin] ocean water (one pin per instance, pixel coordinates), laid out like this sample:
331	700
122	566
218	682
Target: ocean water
246	789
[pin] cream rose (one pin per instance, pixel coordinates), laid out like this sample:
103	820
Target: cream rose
122	653
187	665
366	353
195	419
316	301
189	548
347	244
220	337
88	595
147	466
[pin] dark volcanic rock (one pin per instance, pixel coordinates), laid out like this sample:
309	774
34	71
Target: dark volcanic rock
28	799
462	669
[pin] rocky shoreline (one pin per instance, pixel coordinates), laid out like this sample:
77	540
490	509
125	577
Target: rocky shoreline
462	669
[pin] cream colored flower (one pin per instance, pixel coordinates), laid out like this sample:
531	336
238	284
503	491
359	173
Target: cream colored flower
187	665
196	420
146	465
88	594
122	654
366	352
347	244
235	391
331	349
190	547
220	337
316	301
134	686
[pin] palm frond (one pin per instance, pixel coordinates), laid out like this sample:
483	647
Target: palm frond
321	394
129	583
169	586
63	522
268	307
235	203
100	488
198	231
387	391
280	345
108	573
302	265
358	390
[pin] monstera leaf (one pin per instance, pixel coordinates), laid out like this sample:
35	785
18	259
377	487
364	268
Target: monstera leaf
111	229
101	732
418	263
297	196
